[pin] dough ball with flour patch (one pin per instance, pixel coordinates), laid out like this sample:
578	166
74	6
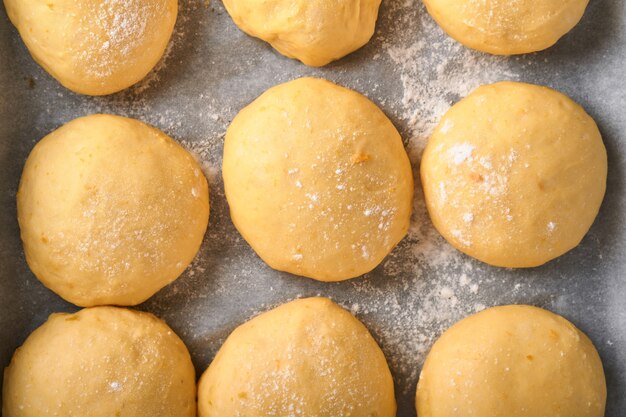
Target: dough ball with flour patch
507	27
514	174
95	47
512	361
101	362
111	210
308	358
315	32
317	180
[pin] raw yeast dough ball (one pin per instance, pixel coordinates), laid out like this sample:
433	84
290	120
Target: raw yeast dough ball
318	180
315	32
307	358
95	47
507	27
514	174
101	362
111	210
512	361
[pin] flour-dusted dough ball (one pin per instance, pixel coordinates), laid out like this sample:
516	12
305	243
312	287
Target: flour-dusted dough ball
507	27
512	361
95	47
514	174
307	358
315	32
111	210
101	362
318	180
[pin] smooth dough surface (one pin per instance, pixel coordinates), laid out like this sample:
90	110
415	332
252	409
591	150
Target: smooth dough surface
514	174
95	47
307	358
317	180
101	362
315	32
111	210
507	27
512	361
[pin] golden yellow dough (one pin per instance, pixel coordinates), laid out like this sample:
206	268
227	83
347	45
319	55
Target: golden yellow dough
306	358
111	210
514	174
100	362
315	32
95	47
507	27
317	180
512	361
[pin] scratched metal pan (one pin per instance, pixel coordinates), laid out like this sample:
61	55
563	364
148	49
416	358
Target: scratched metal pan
413	71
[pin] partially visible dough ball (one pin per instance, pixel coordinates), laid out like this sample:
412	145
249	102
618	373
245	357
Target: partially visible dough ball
317	180
95	47
514	174
307	358
507	27
512	361
101	362
111	210
315	32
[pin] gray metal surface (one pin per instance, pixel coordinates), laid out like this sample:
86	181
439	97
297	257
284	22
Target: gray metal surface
213	70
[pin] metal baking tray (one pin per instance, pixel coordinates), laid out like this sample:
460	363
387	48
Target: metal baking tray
414	72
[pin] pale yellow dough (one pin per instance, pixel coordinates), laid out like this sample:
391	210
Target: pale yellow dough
512	361
315	32
514	174
95	47
111	210
306	358
507	27
318	180
100	362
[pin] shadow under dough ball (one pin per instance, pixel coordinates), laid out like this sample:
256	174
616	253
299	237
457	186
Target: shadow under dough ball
101	362
317	180
512	361
95	47
507	27
110	210
315	32
309	358
514	174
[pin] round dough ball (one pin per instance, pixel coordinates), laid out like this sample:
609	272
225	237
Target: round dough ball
318	180
505	27
111	210
315	32
95	47
102	361
514	174
309	358
512	361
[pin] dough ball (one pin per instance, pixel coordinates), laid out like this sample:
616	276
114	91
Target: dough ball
95	47
307	358
111	210
514	174
512	361
101	362
318	180
507	27
315	32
